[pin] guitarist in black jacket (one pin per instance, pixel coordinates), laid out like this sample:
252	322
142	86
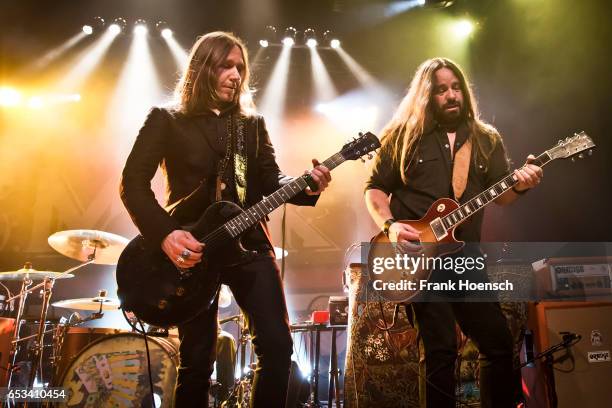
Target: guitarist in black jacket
436	146
212	147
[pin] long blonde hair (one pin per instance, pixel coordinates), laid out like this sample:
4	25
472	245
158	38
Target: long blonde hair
196	90
414	114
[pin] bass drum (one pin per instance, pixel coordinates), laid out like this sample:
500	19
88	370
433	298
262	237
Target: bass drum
112	372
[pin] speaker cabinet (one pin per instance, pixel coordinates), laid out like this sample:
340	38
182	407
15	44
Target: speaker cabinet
580	375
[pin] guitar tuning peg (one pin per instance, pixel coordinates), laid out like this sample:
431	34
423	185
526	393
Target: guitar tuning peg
370	156
360	134
362	159
590	152
581	156
573	159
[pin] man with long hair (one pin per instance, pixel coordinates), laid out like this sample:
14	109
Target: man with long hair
435	138
212	146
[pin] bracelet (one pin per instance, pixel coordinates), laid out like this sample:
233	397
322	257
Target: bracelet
519	192
387	225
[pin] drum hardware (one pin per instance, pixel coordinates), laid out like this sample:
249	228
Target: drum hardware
240	394
87	246
27	275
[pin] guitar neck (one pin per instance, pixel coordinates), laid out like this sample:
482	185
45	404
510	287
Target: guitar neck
478	202
257	212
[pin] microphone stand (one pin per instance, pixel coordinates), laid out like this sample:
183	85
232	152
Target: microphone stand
569	339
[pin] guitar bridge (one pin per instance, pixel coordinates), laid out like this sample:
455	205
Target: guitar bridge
438	229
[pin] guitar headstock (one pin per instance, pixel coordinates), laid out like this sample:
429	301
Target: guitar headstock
364	144
572	146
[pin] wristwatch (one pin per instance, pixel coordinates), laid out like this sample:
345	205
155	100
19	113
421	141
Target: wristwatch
387	225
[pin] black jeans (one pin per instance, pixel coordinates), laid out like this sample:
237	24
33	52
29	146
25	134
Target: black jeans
486	325
257	288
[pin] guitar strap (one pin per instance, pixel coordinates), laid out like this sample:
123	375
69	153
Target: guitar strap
236	146
461	168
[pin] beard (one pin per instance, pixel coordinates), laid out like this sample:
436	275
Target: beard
449	117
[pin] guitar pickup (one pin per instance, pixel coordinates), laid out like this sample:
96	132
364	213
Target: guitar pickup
438	229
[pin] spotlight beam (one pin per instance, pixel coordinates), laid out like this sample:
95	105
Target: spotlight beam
138	88
56	52
324	87
273	98
86	62
180	55
364	78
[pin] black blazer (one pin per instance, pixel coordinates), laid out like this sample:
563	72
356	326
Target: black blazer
173	141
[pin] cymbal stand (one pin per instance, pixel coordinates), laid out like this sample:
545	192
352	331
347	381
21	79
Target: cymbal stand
38	344
23	294
241	392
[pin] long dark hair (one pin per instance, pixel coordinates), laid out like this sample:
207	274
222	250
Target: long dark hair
414	113
196	91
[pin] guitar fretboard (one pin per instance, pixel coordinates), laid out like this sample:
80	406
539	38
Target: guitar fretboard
257	212
481	200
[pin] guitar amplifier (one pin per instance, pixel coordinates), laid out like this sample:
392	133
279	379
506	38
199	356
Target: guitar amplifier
338	310
570	277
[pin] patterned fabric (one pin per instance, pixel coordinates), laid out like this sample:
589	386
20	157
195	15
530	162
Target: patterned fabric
381	368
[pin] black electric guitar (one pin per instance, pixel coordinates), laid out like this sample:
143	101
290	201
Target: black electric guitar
159	293
437	229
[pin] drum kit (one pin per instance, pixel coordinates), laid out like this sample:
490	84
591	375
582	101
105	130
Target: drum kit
99	366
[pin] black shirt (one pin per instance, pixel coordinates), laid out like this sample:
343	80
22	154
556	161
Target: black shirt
430	176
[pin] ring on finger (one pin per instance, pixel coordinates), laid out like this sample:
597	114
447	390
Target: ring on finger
180	259
186	254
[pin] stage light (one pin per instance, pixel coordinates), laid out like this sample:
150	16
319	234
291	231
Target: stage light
163	29
269	36
311	37
9	97
330	38
98	22
463	28
118	25
289	38
94	24
140	27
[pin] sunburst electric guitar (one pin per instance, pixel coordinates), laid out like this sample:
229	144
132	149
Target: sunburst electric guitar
437	228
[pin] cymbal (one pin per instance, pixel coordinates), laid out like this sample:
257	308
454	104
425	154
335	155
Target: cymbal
89	303
81	245
33	274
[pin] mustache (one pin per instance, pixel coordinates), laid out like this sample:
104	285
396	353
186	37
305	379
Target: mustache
452	105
